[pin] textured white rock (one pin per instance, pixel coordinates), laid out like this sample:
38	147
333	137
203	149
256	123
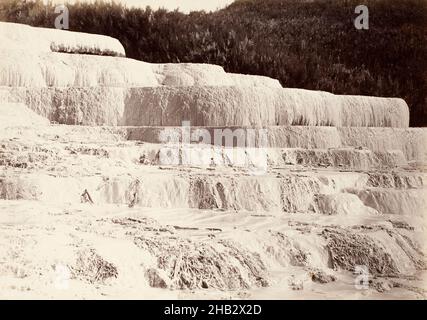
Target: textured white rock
281	216
30	46
292	193
410	141
254	106
17	115
342	204
92	71
332	193
213	106
307	108
191	74
304	137
397	180
392	201
27	38
72	105
240	100
77	70
105	104
363	111
203	94
213	156
20	68
246	80
344	158
72	70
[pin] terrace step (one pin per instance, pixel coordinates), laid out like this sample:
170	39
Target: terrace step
278	192
207	106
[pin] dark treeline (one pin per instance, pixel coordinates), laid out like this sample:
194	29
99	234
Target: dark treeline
304	44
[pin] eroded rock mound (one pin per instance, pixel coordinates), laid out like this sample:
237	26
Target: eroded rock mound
378	252
91	267
14	36
190	265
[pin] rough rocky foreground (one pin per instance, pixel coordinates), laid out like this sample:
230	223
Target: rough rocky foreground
330	204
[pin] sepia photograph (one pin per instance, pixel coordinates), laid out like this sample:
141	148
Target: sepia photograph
221	150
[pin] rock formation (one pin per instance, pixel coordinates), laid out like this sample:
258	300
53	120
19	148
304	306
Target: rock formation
312	188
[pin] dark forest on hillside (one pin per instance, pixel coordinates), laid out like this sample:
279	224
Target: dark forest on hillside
304	44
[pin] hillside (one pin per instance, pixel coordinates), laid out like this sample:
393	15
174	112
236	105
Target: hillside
311	45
